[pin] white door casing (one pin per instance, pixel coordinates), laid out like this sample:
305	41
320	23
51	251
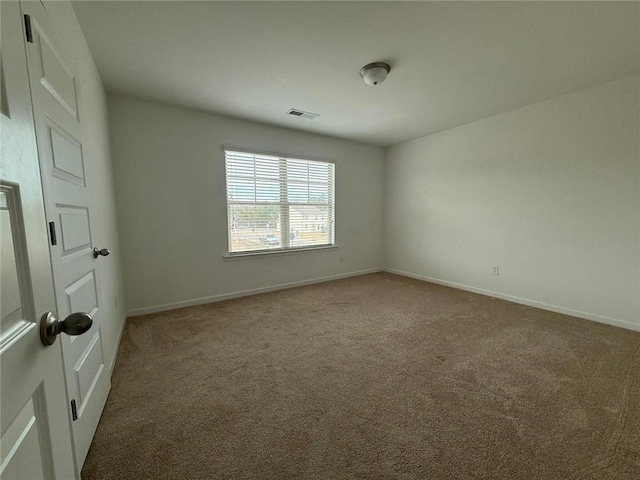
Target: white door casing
67	183
34	421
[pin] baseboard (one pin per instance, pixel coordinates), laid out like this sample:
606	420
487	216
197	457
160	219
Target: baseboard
244	293
523	301
117	347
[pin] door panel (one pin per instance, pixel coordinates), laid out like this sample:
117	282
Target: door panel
51	70
66	152
88	371
66	179
74	227
83	294
21	440
35	432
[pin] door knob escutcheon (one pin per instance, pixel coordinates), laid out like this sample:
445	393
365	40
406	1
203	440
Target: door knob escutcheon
104	252
75	324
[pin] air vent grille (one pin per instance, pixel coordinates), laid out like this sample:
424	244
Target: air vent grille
301	113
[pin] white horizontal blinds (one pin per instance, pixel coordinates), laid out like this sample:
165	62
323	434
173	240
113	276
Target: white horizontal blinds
278	203
310	202
254	208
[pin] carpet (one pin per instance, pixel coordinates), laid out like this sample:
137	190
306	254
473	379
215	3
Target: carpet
370	377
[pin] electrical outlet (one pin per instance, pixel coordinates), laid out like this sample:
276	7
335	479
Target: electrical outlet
495	270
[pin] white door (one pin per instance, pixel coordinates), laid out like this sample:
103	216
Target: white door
67	186
34	420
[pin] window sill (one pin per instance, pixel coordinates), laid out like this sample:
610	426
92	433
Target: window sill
274	253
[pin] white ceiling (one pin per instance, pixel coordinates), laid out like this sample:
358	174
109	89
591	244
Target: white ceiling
452	62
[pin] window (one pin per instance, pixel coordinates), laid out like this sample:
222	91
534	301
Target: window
271	199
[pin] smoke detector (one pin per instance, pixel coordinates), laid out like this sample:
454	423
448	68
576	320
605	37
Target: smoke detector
375	73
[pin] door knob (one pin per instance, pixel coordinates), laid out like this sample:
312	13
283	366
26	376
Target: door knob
75	324
104	252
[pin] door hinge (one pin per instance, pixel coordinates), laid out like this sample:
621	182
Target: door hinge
52	233
27	28
74	410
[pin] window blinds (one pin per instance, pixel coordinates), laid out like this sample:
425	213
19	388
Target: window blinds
276	203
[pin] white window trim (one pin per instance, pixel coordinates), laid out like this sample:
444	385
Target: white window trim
275	252
288	250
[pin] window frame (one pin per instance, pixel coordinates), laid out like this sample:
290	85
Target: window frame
283	250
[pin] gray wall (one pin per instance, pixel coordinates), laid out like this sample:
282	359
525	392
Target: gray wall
170	178
549	192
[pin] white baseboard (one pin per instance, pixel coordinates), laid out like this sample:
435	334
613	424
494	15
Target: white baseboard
244	293
523	301
117	347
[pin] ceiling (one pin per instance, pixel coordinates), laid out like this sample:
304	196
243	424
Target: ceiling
452	62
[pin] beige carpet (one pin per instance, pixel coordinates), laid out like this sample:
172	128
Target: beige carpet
373	377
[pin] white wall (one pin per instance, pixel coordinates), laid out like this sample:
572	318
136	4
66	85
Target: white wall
170	181
549	192
95	134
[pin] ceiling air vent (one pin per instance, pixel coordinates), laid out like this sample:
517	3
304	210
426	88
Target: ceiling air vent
301	113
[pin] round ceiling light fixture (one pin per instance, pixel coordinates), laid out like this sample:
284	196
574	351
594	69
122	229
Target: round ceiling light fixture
375	73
